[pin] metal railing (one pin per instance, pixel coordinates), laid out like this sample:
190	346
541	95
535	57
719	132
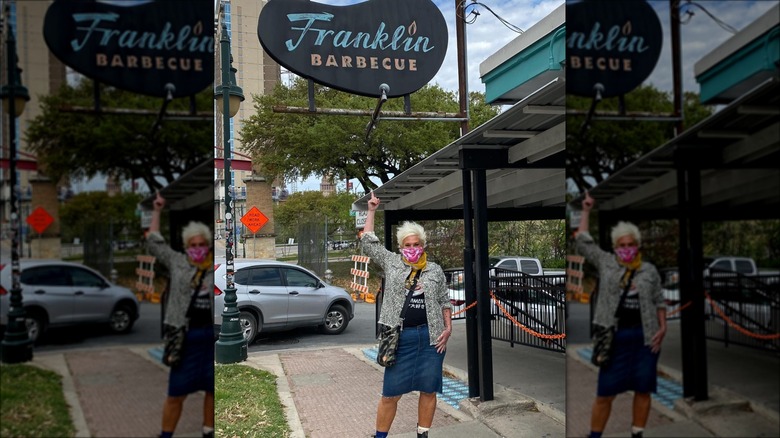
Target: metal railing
744	310
532	309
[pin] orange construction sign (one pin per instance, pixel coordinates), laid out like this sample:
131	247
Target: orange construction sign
254	219
40	219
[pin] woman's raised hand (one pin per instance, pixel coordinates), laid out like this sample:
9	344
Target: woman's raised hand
373	203
159	202
588	202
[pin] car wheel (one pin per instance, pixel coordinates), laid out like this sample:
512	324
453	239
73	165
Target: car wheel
36	325
336	320
249	326
121	320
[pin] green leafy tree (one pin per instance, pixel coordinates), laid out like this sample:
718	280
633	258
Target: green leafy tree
79	145
85	209
312	206
595	150
545	240
299	146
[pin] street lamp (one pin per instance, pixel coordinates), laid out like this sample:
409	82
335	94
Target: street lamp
16	346
231	346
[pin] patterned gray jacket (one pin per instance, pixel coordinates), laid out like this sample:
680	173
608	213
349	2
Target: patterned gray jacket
396	271
646	280
181	273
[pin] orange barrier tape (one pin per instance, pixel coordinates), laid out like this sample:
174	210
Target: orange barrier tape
526	329
679	309
361	259
464	309
516	322
738	328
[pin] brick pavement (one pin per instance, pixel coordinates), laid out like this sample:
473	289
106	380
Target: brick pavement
581	382
336	395
121	394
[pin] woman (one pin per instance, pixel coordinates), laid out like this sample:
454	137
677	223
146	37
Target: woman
427	325
641	320
189	304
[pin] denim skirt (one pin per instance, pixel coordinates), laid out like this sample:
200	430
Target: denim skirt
196	370
633	366
418	366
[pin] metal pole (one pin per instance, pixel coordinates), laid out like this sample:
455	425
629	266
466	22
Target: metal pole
16	346
483	286
472	349
460	35
231	346
326	243
674	18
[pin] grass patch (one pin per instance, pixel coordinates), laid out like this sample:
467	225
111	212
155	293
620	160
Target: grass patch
247	404
32	403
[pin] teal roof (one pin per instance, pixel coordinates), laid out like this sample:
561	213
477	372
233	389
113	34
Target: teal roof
530	68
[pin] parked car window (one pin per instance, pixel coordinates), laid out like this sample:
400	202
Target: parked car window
243	276
45	276
744	266
529	267
266	277
508	264
82	277
722	265
300	278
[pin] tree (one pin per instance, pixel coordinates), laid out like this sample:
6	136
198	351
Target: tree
599	149
78	145
312	206
298	146
85	209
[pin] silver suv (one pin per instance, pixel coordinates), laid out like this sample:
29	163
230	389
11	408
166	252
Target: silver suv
57	293
276	296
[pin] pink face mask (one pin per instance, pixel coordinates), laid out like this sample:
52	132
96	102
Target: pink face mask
197	253
412	253
626	254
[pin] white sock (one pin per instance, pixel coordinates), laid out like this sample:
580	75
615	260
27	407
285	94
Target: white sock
421	429
207	429
635	429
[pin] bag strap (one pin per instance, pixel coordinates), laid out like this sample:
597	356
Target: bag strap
625	291
409	294
195	291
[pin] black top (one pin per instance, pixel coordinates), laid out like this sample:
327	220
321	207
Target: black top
628	313
200	310
415	313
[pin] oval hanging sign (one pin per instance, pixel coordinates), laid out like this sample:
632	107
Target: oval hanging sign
357	48
136	45
612	43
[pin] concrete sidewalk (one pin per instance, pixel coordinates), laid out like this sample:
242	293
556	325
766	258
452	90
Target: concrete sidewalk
334	392
119	392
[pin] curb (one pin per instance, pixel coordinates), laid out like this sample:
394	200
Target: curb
272	364
544	408
57	364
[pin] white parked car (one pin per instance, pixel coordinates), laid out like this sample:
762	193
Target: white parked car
276	296
57	293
